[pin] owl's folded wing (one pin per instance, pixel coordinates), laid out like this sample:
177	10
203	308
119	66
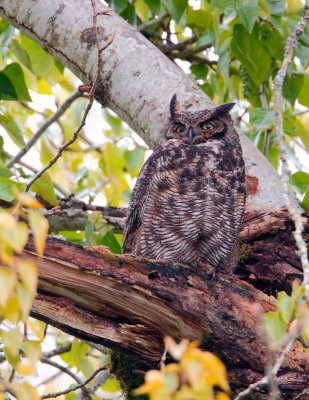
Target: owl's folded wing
138	201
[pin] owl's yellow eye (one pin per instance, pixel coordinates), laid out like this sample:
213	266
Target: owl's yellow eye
207	125
178	128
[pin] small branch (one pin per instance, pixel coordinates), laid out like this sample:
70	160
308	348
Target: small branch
60	189
57	352
67	371
73	389
290	200
152	22
61	110
272	373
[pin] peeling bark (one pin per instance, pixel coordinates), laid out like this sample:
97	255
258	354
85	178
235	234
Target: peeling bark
132	303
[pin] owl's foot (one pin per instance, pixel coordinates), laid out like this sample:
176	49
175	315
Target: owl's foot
205	270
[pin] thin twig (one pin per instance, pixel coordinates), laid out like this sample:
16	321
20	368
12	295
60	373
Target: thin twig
67	371
61	110
290	200
57	352
60	189
152	22
272	373
73	389
91	94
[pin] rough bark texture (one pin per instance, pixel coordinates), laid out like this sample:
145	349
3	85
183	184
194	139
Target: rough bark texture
130	303
138	79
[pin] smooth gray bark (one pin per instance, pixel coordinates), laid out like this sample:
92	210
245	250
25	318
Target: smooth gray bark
139	80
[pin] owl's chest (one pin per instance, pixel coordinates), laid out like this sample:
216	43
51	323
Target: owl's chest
194	168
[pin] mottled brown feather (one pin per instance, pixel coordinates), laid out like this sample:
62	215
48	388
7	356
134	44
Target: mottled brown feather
189	198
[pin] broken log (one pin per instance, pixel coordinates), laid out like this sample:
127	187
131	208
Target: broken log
130	303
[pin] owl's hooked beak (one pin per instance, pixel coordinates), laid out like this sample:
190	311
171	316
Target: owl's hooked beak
191	134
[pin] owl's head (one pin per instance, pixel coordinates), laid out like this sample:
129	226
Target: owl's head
199	126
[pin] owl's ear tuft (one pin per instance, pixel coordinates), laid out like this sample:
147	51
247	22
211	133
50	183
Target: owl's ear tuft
174	107
222	110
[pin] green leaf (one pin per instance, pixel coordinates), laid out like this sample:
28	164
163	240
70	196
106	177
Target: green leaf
89	234
20	54
247	11
129	14
12	84
199	70
302	52
275	326
305	202
222	4
111	385
261	118
78	351
199	19
6	35
276	7
300	179
285	306
6	189
5	172
154	5
12	129
119	5
248	49
289	122
272	41
42	63
134	160
176	8
110	241
292	86
303	96
44	187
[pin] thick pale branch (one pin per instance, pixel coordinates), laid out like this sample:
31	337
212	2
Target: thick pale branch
138	80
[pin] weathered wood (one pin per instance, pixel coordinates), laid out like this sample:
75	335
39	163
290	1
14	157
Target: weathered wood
131	303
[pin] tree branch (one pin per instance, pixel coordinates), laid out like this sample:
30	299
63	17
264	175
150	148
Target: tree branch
289	197
131	303
61	110
129	87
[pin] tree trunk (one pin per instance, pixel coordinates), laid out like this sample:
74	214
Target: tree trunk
138	79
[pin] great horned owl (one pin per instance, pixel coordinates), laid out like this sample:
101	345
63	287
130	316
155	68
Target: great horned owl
188	202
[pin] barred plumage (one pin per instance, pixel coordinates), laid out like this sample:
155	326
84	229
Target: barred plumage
189	198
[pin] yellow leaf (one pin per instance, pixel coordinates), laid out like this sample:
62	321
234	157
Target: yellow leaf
39	228
8	281
12	340
222	396
37	327
25	367
176	350
32	349
154	382
26	392
26	297
28	274
7	221
11	309
27	200
204	367
16	237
